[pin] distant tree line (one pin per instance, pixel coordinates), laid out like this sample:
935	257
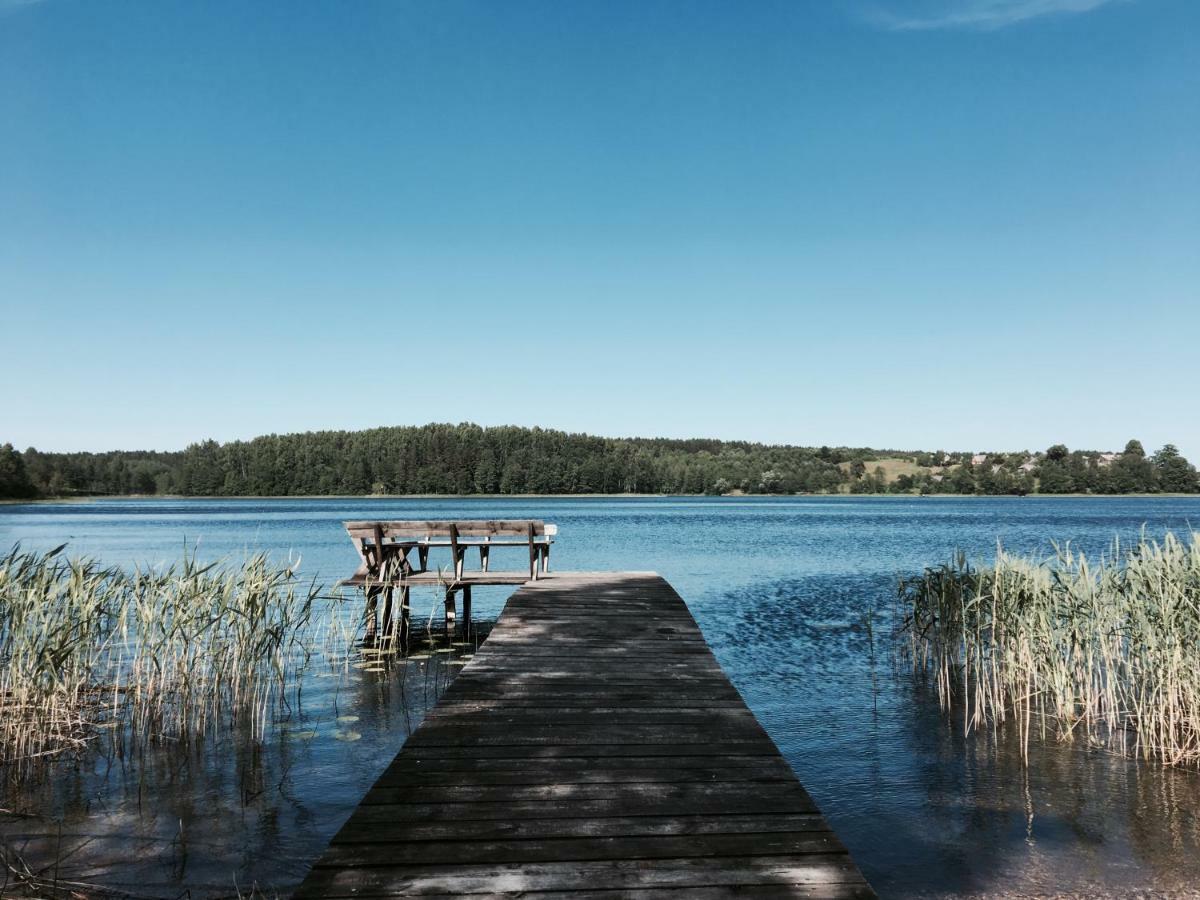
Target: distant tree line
468	459
1058	470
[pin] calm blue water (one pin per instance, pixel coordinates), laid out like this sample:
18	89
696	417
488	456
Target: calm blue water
780	587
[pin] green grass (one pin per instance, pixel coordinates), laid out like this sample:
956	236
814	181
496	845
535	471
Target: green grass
893	467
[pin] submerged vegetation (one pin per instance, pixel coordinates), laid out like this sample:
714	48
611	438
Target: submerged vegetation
468	459
149	655
1106	653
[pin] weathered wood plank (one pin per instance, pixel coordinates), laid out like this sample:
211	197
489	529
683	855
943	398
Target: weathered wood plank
576	715
358	828
603	751
703	794
375	808
419	579
421	762
392	844
575	774
813	869
441	527
733	892
592	748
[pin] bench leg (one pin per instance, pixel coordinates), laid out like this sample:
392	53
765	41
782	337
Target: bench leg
483	558
545	559
423	557
466	609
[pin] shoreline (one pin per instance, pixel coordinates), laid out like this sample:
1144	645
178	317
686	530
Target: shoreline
499	497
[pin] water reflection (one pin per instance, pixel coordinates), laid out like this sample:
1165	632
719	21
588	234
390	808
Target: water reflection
925	809
227	814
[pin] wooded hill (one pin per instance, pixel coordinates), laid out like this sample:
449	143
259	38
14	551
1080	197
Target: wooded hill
468	459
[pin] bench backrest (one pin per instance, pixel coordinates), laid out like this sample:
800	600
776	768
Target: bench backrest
416	529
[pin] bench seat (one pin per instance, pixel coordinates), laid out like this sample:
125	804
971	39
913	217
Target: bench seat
415	579
468	542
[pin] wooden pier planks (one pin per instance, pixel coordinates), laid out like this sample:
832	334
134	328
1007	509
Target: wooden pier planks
593	748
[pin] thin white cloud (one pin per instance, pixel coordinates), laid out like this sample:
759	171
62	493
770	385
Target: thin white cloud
983	15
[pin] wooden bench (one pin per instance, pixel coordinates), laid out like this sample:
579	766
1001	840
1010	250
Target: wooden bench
385	561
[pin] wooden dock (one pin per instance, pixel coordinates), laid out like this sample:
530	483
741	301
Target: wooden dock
592	748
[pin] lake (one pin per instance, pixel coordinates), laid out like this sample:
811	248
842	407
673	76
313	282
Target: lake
780	586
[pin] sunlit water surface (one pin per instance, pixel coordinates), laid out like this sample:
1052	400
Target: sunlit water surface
779	586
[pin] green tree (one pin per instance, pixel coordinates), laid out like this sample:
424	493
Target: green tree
1054	477
1173	472
1132	472
1057	453
962	480
15	483
771	482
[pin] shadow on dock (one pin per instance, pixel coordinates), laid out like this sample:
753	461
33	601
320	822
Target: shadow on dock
592	747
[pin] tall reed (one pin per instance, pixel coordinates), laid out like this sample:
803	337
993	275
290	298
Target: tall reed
1107	653
170	654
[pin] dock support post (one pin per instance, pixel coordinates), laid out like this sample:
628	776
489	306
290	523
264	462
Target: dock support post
450	610
369	614
466	609
388	629
405	616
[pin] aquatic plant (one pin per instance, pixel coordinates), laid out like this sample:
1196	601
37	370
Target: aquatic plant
1106	653
152	654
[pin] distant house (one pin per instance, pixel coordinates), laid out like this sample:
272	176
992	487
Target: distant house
935	477
978	459
1028	466
1107	459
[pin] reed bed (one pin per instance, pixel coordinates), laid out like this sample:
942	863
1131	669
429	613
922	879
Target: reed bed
1105	653
145	655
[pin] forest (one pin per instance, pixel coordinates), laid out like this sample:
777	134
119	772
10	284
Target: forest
469	459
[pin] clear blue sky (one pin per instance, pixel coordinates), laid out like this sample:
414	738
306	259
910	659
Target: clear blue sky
961	224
